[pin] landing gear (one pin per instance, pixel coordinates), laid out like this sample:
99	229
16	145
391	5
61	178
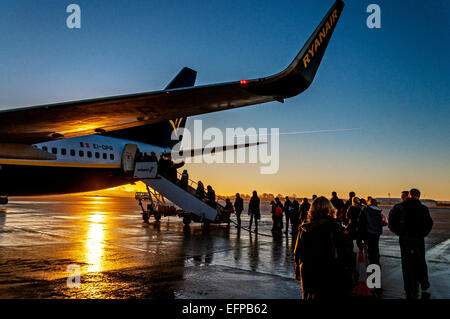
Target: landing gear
157	216
3	200
145	217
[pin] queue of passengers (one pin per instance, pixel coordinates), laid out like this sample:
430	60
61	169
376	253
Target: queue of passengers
329	232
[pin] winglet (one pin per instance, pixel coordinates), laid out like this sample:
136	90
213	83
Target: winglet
308	59
299	75
185	78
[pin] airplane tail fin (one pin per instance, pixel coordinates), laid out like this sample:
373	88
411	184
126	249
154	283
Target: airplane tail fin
308	59
160	134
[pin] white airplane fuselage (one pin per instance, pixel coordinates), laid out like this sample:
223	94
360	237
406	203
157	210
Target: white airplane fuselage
84	163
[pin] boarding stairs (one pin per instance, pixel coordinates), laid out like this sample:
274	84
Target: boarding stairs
158	185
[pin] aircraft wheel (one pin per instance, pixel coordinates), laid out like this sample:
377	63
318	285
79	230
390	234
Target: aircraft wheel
157	217
186	220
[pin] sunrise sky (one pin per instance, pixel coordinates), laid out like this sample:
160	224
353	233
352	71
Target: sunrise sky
390	84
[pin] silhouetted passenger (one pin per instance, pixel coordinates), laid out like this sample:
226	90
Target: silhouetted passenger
228	209
314	197
239	207
152	157
288	213
172	173
362	202
404	195
295	215
253	209
412	222
211	197
304	208
200	192
184	181
347	204
138	156
323	254
371	228
163	166
279	214
273	206
352	216
339	205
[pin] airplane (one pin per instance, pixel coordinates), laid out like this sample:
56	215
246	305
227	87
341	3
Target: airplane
79	146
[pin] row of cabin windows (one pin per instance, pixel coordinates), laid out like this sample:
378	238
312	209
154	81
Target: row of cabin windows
80	153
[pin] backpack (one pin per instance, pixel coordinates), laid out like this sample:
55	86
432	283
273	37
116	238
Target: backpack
278	211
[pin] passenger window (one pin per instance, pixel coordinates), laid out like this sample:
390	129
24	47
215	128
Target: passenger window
81	144
45	148
89	154
54	150
111	157
81	153
63	151
97	155
105	156
72	152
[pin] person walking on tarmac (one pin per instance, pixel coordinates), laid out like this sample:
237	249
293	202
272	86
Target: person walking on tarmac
371	228
288	213
273	207
228	209
211	197
352	216
279	208
253	210
347	204
323	254
295	216
412	222
239	207
279	213
338	204
304	208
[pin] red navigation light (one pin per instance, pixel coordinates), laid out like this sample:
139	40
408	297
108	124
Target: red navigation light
244	82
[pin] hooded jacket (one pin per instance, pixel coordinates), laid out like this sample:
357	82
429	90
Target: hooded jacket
371	221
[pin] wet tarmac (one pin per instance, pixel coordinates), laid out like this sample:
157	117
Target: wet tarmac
120	257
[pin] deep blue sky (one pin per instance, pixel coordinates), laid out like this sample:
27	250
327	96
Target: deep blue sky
392	82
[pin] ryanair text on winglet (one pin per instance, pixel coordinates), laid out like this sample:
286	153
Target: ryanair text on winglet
318	41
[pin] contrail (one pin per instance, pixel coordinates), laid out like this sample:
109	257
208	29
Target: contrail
309	132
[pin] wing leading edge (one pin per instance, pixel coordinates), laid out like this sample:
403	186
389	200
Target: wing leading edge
63	120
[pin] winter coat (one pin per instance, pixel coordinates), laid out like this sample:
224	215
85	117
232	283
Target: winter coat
239	205
371	221
253	207
304	209
323	255
410	219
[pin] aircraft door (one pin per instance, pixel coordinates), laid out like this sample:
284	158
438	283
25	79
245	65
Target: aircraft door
128	155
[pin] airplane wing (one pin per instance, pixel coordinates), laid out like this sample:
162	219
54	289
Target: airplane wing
63	120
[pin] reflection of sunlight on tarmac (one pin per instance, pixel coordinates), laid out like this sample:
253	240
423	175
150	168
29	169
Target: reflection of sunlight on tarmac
94	243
